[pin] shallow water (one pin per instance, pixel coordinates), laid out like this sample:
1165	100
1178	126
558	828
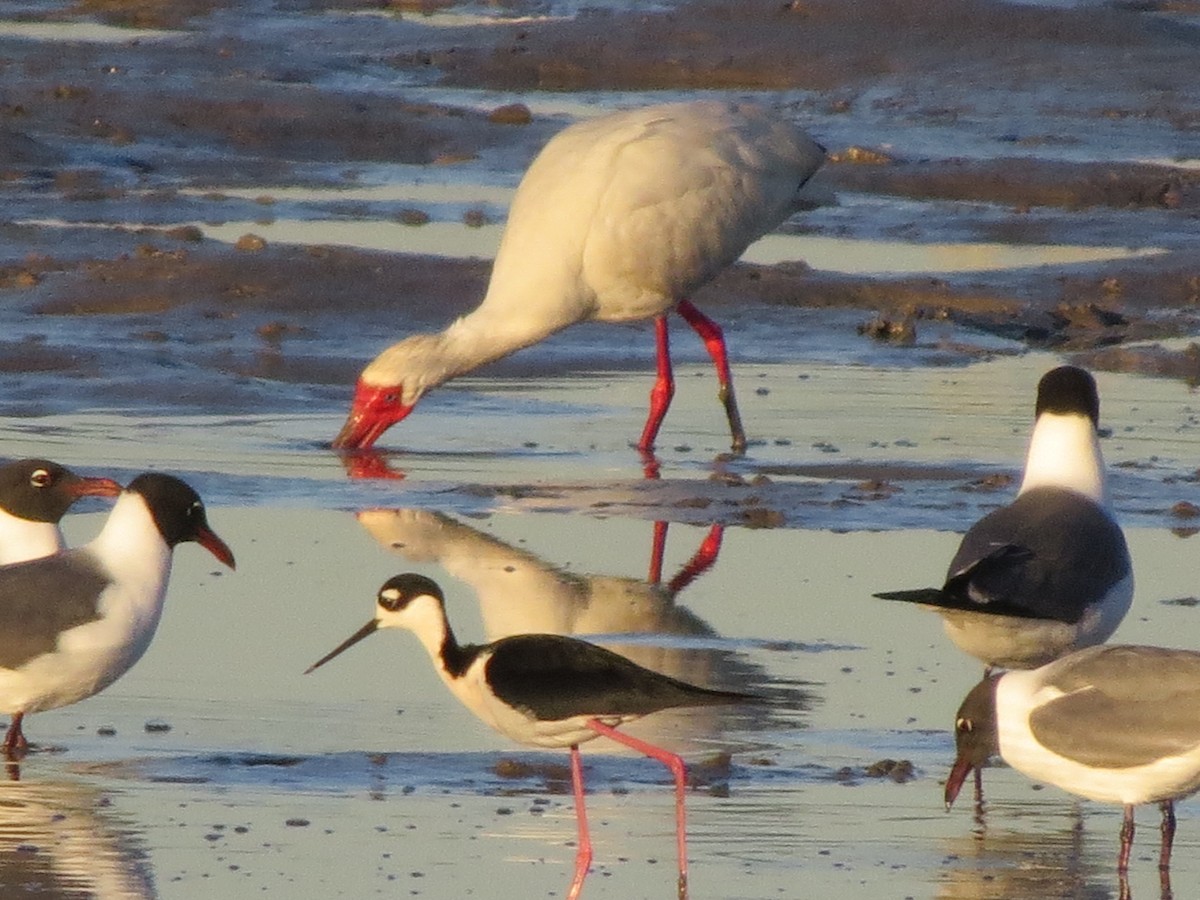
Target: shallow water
384	778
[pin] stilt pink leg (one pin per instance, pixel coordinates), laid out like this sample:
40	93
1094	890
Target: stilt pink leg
1168	834
583	855
678	770
656	552
702	560
15	745
714	340
1126	841
664	386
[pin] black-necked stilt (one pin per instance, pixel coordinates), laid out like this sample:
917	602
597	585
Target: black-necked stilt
619	218
34	496
544	690
73	623
1116	723
1050	572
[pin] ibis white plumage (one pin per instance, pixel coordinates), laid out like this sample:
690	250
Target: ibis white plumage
619	218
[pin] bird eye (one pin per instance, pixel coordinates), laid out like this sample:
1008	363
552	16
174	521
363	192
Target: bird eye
40	478
964	725
390	599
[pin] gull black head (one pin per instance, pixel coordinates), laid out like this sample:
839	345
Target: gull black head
975	736
1069	390
179	513
39	490
397	606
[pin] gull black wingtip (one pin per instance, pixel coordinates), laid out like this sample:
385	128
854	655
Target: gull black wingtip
366	631
917	595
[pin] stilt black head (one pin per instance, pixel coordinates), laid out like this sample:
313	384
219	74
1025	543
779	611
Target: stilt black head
400	590
392	603
1067	390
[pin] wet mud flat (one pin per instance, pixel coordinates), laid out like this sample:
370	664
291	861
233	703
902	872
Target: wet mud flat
988	122
131	134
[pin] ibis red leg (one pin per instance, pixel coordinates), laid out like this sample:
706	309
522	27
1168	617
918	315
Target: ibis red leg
664	385
714	341
678	770
583	855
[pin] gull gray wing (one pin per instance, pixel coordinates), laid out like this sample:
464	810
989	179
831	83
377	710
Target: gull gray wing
1051	553
1122	706
42	598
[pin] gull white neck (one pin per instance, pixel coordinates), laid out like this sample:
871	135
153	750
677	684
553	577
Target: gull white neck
21	539
1064	452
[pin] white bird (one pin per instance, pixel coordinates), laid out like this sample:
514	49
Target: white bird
619	218
73	623
1117	724
546	690
1049	573
34	496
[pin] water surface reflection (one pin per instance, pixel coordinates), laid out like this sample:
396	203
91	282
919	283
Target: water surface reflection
59	839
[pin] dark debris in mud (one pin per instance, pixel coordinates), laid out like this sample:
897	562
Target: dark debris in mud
900	771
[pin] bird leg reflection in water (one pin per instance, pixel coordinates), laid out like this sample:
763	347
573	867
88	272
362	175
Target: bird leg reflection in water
369	464
702	560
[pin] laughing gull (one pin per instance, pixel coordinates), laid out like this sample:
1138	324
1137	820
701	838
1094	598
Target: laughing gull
73	623
545	690
1118	724
34	496
1049	573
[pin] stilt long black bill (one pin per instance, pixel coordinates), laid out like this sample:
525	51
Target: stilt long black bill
366	631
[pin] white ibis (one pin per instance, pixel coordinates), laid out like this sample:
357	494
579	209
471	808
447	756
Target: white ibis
1050	572
1115	723
34	496
73	623
545	690
619	218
